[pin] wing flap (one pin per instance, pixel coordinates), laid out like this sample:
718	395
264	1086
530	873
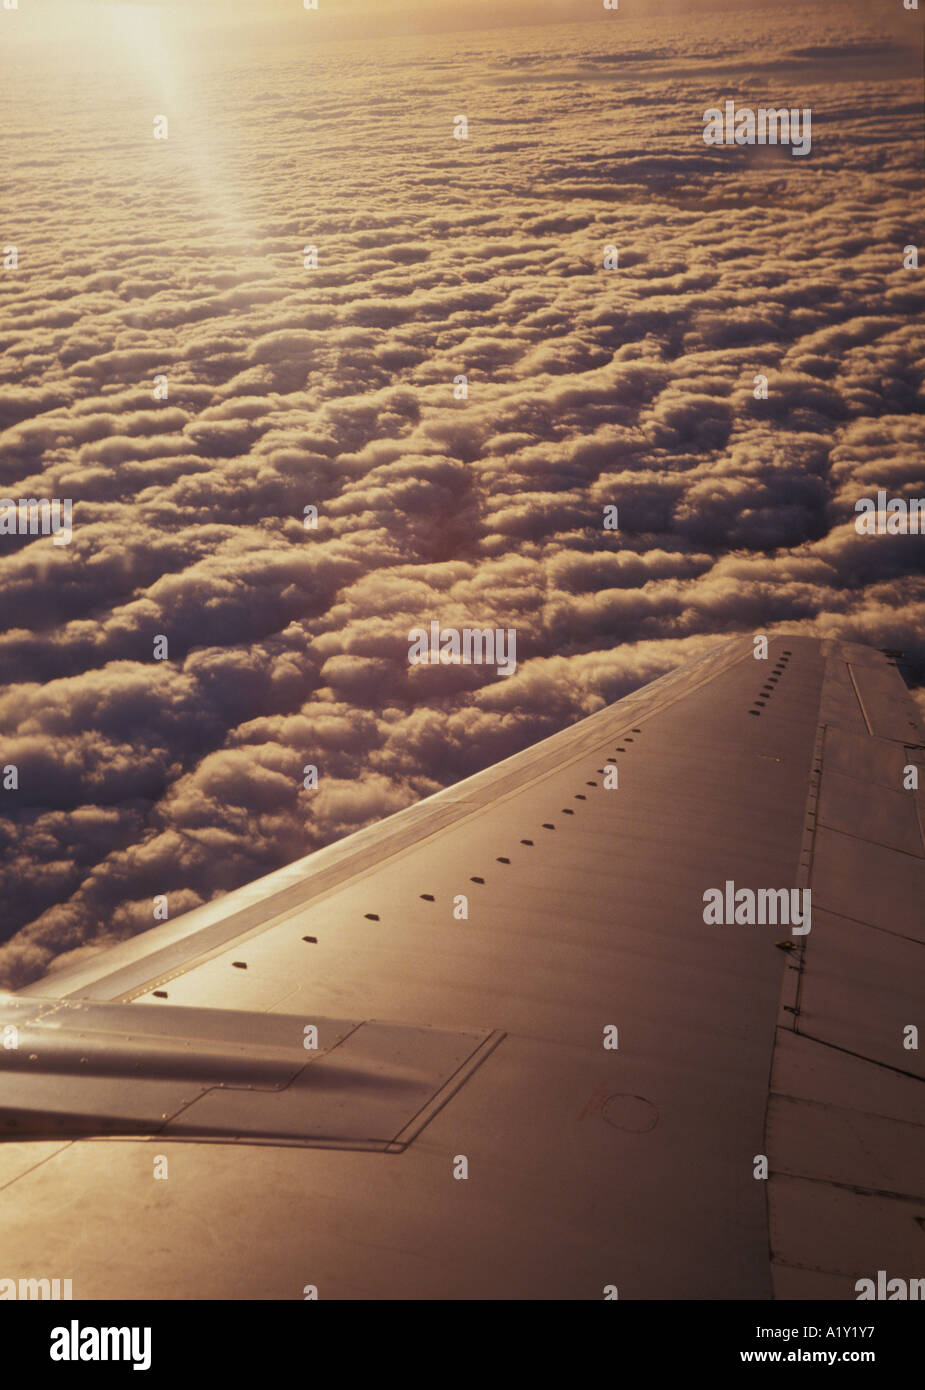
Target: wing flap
846	1127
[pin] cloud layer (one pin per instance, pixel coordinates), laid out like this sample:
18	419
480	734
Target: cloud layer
333	387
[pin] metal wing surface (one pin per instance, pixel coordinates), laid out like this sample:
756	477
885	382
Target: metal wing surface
490	1048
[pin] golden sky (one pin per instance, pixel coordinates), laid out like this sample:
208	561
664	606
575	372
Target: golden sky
343	19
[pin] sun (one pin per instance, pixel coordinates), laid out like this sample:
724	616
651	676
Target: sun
133	35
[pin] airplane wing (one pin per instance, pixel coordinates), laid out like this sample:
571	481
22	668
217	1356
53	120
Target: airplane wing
491	1048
